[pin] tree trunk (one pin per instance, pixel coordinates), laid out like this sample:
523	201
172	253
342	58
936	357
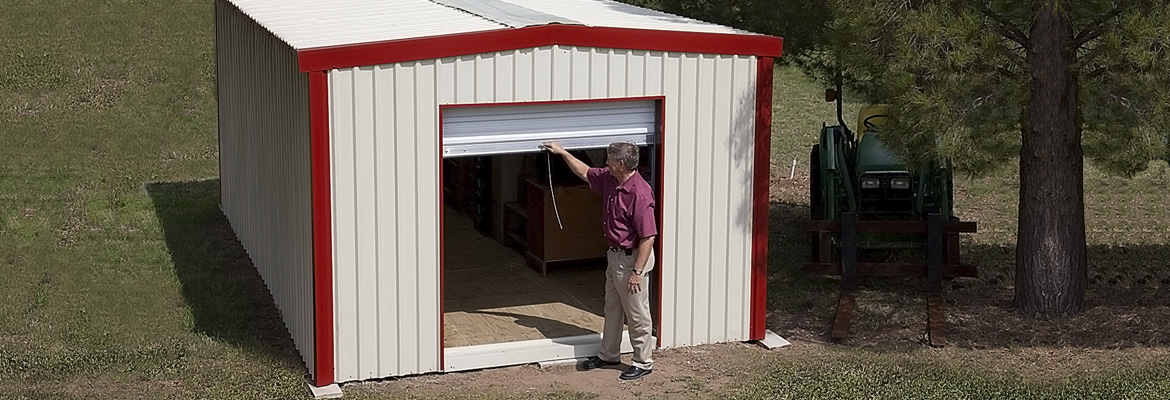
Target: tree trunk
1051	270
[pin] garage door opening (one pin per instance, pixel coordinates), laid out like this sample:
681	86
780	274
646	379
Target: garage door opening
517	280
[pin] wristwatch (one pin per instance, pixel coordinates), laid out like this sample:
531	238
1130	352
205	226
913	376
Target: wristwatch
639	273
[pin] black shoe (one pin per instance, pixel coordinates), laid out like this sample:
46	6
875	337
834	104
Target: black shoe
596	362
635	373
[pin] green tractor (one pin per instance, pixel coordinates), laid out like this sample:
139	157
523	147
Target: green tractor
867	207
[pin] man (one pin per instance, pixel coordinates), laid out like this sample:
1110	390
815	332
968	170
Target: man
629	229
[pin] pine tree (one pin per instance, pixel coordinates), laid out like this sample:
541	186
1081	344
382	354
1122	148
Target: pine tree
1052	82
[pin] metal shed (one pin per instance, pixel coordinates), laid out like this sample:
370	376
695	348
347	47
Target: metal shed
335	119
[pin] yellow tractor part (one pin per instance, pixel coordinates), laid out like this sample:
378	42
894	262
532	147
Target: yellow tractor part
876	113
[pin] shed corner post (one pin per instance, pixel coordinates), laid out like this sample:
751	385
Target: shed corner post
760	193
323	346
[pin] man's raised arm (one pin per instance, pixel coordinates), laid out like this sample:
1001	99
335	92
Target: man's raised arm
578	167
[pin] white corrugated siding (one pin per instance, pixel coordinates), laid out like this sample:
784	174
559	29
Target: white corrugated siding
386	188
264	164
305	24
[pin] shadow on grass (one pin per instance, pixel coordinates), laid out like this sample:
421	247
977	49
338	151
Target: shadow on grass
1127	298
228	298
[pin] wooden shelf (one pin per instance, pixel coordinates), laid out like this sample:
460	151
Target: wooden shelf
517	208
580	211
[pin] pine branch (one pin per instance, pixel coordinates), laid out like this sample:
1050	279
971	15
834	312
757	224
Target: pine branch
1097	73
1004	27
1097	28
1006	73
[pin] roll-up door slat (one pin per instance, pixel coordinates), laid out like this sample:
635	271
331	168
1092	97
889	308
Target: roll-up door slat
511	129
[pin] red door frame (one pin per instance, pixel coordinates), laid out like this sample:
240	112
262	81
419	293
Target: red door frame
660	104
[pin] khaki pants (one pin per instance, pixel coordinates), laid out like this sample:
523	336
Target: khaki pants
633	309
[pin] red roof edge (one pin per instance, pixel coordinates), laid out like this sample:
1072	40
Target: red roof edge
391	51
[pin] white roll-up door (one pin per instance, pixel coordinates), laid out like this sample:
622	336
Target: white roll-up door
510	129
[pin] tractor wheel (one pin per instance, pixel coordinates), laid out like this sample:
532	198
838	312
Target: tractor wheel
816	205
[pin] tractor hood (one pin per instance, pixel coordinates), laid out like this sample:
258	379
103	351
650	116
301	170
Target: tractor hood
874	156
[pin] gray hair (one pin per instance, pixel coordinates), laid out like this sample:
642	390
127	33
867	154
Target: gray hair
623	152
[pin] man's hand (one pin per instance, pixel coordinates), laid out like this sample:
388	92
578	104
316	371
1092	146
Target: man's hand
554	147
579	168
635	283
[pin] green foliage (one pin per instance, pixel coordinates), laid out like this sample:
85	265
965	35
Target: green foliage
800	22
957	75
1125	75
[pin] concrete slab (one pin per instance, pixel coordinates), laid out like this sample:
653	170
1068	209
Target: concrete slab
773	341
326	392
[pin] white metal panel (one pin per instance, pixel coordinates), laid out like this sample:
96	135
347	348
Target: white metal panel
411	292
387	298
524	88
741	175
686	166
720	202
506	13
619	15
385	215
510	129
504	85
345	218
305	24
312	23
705	251
366	232
690	319
562	77
428	207
581	73
265	183
699	121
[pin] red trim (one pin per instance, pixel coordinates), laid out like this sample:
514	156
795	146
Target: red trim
657	313
657	243
322	228
442	257
390	51
763	169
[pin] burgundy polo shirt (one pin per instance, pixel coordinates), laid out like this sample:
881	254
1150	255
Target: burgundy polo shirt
627	210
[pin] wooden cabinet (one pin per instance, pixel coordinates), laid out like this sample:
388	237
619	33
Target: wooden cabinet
578	236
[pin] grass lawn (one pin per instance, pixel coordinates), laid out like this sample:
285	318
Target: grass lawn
123	280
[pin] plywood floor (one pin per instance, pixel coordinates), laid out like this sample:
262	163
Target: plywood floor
491	296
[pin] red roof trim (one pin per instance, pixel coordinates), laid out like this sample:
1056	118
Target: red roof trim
374	53
760	190
322	229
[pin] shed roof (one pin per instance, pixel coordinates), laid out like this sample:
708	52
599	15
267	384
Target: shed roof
308	24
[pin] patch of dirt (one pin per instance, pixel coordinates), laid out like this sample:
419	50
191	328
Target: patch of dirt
103	94
700	371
